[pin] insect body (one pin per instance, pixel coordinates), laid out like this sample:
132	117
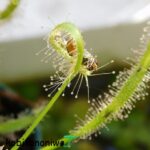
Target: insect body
67	42
90	62
71	47
63	51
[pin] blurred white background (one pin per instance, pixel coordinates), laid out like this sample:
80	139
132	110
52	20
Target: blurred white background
110	27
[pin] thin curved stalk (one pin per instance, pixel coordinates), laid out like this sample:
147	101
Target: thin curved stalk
70	28
9	9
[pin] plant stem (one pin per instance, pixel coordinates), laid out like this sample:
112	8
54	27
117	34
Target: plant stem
43	113
68	27
9	9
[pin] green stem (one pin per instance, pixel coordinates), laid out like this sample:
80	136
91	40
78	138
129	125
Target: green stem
42	114
68	27
9	9
118	101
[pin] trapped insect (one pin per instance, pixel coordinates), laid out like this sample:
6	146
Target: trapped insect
62	50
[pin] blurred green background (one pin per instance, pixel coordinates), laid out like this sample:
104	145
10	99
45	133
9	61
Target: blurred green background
132	133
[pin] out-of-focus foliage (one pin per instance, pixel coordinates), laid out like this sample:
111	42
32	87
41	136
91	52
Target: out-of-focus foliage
132	133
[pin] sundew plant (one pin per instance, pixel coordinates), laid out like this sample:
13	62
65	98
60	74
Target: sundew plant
70	58
67	53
